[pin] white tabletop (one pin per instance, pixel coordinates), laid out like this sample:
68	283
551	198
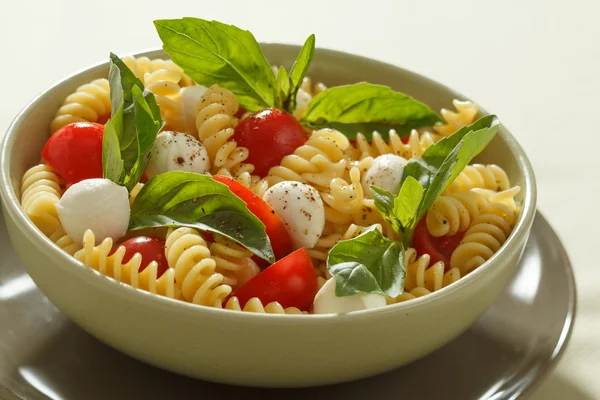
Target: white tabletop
535	64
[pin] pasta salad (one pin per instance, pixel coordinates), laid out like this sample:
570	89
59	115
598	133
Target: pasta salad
218	179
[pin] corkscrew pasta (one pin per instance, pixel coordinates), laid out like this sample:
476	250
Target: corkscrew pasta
453	213
486	235
254	305
187	253
477	210
89	103
112	265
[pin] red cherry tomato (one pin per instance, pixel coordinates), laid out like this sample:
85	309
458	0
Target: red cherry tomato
75	151
279	236
150	248
240	112
291	281
269	135
405	139
438	248
103	119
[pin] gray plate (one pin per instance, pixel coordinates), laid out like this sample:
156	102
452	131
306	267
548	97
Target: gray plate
43	355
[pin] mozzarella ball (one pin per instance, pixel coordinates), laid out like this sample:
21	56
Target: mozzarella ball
300	208
326	302
190	97
174	151
385	173
302	100
96	204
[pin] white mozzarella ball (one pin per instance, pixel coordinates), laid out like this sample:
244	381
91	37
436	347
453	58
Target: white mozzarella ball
301	210
174	151
190	97
302	100
326	302
96	204
385	173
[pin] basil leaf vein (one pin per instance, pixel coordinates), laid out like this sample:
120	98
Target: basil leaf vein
180	198
364	107
368	263
130	133
211	52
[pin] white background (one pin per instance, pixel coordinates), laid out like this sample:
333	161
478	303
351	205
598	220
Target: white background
536	64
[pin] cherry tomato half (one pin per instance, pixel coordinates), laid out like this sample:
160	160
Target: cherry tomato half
150	248
269	135
279	236
291	281
75	151
438	248
103	119
240	112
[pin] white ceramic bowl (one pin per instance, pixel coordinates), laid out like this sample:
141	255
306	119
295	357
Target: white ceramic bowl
258	349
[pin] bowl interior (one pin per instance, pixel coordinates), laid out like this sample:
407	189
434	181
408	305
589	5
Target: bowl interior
26	137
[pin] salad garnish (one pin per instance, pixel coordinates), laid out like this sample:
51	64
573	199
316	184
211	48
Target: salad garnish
212	52
131	131
423	180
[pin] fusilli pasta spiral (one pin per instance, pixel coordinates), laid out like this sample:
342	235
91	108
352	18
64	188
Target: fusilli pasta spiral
88	103
423	278
98	258
40	191
141	66
482	176
215	122
317	162
232	261
255	305
487	234
194	268
465	114
451	214
415	147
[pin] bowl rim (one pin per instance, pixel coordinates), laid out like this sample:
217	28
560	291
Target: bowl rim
11	204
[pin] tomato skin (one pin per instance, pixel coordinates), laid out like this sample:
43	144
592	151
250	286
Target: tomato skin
438	248
103	119
269	135
150	248
291	281
75	151
279	236
240	112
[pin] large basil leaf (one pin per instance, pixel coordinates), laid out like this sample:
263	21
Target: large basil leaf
180	198
368	263
212	52
364	107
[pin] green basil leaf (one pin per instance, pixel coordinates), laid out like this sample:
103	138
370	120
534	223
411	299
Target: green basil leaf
364	107
148	123
406	204
180	198
384	202
443	161
299	69
212	52
112	164
282	89
130	133
368	263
